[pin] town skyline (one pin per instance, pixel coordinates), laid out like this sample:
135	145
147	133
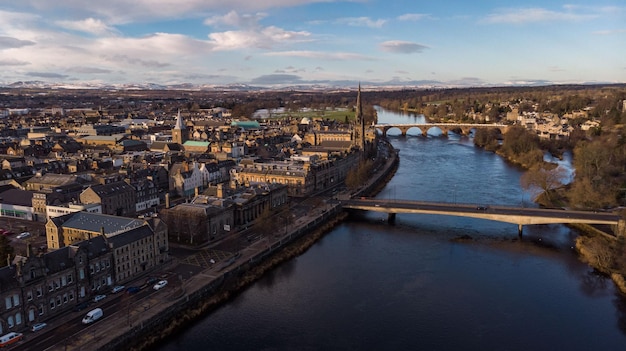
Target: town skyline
313	42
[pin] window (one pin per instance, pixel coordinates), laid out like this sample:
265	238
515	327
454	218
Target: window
40	309
18	318
52	305
81	274
16	300
39	291
10	322
29	295
69	278
7	301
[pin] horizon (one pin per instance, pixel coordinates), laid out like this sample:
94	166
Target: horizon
284	43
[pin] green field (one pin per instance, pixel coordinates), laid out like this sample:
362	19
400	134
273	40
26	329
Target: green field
336	114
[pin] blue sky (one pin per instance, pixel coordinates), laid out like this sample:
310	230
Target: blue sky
286	42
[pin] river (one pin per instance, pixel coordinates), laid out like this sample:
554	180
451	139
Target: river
427	282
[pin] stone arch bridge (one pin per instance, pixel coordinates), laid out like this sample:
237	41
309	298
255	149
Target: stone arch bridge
462	128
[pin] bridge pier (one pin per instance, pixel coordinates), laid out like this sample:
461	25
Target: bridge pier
520	228
391	217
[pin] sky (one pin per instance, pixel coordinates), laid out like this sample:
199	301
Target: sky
300	42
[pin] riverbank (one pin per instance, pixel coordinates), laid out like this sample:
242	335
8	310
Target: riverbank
210	289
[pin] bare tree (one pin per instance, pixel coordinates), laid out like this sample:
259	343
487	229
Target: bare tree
542	180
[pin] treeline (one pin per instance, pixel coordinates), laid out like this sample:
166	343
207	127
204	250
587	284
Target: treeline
600	101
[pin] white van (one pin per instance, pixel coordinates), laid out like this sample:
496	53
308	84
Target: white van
92	316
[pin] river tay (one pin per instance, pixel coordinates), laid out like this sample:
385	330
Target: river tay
368	285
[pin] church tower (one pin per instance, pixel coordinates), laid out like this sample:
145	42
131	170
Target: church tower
359	123
179	133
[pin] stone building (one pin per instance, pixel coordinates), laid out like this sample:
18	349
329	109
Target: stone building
117	198
40	286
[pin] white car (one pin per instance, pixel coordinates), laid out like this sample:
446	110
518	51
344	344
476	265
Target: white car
117	289
99	298
160	285
38	326
23	235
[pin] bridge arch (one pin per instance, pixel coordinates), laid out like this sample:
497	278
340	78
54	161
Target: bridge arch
463	128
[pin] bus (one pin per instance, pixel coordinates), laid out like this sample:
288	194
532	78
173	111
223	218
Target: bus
10	338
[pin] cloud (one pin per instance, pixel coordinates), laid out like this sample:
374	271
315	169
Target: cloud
535	14
361	22
290	69
46	75
412	17
89	25
13	62
235	20
609	32
88	70
127	11
137	61
11	43
277	79
468	81
265	38
330	56
402	47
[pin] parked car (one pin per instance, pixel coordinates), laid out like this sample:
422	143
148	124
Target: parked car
81	306
23	235
151	280
117	289
98	298
132	289
160	285
38	326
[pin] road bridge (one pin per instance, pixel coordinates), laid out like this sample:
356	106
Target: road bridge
515	215
462	128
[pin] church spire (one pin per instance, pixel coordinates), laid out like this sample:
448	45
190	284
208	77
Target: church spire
359	122
179	122
179	133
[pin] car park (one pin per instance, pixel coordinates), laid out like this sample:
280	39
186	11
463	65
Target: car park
23	235
160	285
38	326
117	289
98	298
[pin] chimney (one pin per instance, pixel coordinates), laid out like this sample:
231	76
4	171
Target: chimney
220	191
8	260
28	249
167	200
196	190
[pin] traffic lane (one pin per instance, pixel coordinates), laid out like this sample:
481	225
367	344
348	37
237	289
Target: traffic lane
65	332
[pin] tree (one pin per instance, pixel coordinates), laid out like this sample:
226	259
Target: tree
5	250
543	180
